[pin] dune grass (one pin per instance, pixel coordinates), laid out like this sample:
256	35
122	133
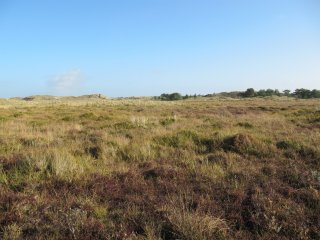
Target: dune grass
143	169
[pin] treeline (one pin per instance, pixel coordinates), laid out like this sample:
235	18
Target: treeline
249	93
298	93
175	96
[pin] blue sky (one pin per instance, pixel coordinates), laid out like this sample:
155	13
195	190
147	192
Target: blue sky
147	47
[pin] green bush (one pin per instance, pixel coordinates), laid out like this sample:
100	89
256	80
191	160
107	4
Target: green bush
171	97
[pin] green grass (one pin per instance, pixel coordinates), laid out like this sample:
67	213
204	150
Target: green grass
204	168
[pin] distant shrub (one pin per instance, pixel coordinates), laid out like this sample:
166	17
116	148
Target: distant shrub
234	94
171	97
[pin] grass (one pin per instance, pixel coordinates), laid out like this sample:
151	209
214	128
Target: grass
204	168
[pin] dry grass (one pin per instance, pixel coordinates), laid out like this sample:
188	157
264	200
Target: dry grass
141	169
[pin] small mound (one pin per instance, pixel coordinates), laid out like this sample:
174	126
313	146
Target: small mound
246	144
153	171
239	143
218	157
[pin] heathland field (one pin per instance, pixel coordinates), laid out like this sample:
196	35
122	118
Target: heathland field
204	168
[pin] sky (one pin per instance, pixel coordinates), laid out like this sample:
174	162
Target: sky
149	47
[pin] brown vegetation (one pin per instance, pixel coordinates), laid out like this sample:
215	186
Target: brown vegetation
141	169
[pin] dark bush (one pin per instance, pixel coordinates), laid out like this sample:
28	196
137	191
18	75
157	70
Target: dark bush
171	97
287	145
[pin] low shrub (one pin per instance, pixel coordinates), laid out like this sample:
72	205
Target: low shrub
245	125
246	144
285	144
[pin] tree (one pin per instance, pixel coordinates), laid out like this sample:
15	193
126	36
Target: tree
175	96
315	93
302	93
286	92
170	97
261	93
277	92
269	92
186	96
249	93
